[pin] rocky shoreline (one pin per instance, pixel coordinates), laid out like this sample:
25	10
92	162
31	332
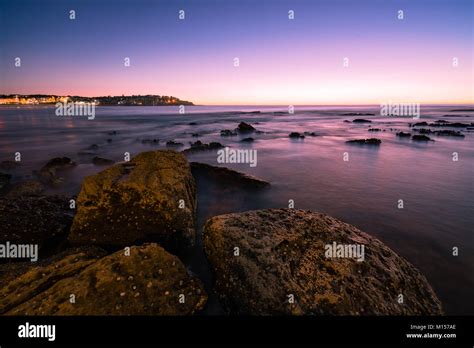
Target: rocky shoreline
120	249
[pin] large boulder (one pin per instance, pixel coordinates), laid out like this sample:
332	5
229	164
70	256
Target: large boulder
149	281
150	198
273	262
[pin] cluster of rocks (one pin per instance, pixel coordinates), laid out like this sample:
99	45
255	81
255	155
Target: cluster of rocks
121	252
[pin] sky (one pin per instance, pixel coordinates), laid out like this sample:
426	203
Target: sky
281	61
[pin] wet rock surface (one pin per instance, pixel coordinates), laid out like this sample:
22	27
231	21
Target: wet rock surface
150	198
282	253
149	281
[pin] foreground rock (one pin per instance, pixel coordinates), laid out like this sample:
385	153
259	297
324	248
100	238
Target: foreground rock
150	198
282	253
148	282
42	220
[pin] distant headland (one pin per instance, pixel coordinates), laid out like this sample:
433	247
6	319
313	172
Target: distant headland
133	100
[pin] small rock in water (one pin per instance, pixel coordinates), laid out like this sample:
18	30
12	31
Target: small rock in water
403	134
247	140
419	137
245	128
49	172
172	143
361	120
295	135
371	141
99	161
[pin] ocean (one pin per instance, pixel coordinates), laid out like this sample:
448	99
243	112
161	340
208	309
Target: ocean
365	190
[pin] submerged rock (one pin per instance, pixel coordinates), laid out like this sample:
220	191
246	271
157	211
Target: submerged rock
172	143
51	170
247	140
311	134
99	161
358	114
361	120
419	124
419	137
403	134
227	133
150	198
200	146
42	220
371	141
265	258
150	141
149	281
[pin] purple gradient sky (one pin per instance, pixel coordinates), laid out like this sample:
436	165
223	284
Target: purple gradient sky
281	61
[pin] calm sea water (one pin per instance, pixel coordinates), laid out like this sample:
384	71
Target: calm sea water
438	193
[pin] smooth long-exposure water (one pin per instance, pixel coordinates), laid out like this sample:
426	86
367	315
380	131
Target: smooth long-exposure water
437	192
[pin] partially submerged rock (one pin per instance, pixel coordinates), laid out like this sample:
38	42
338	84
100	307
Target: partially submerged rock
99	161
149	281
403	135
245	128
421	137
200	146
228	177
361	120
296	135
247	140
371	141
172	143
150	198
265	258
50	172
